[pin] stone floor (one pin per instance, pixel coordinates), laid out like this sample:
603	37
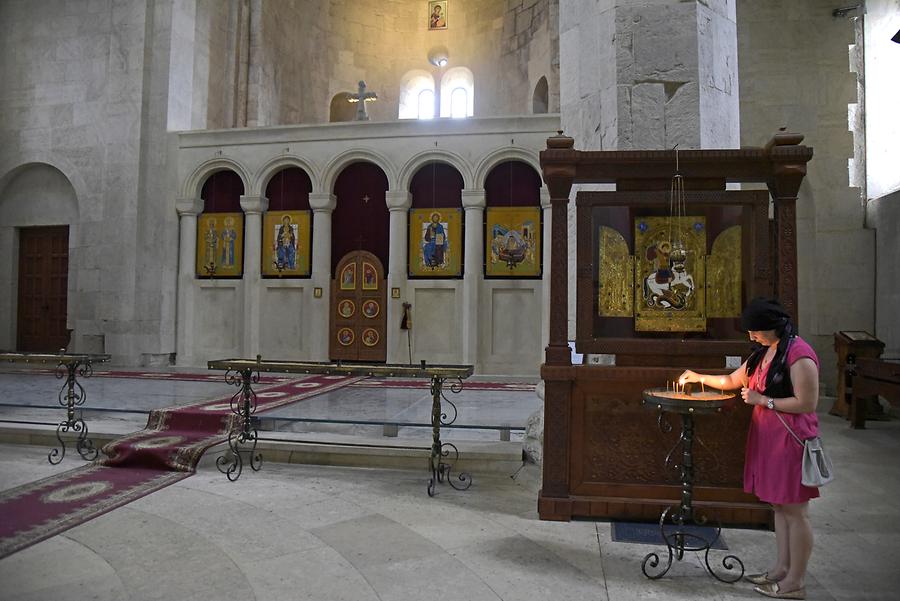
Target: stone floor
312	532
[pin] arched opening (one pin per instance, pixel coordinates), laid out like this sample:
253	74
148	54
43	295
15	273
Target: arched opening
341	108
513	221
459	103
221	192
220	228
37	207
540	99
458	82
361	220
436	236
513	184
417	95
426	105
287	225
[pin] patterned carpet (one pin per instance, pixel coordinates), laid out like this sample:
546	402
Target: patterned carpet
163	453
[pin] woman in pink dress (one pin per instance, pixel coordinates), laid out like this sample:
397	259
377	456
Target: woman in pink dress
780	378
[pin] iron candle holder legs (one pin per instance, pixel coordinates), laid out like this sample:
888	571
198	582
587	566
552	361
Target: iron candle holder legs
72	395
440	470
676	537
242	435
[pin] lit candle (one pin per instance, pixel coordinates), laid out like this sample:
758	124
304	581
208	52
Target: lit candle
702	389
722	385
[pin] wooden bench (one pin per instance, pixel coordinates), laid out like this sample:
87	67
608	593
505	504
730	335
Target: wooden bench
873	377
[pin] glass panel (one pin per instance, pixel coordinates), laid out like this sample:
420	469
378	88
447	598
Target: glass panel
426	104
458	103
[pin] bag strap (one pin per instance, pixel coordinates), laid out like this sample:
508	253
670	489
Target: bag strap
797	438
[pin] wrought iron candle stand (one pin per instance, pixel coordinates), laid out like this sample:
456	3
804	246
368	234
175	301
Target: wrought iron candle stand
71	396
242	432
677	538
440	470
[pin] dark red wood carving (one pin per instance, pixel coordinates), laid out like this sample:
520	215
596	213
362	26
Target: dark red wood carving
603	451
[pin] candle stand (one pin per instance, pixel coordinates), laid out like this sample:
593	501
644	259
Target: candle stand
71	396
673	523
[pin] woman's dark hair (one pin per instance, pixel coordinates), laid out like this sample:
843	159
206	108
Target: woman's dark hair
767	314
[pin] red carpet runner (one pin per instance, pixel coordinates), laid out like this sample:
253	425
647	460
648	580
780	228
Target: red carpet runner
163	453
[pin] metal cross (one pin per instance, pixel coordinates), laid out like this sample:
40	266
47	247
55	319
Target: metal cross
362	97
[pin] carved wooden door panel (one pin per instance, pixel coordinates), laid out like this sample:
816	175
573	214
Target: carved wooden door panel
43	288
358	310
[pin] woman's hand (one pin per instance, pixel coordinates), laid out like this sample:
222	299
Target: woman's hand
689	376
751	397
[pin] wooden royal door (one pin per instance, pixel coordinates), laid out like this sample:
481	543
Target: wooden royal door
43	286
358	311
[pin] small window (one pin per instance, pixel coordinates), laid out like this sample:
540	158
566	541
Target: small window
413	97
459	100
540	97
426	105
458	93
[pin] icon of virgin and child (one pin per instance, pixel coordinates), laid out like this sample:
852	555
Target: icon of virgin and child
285	246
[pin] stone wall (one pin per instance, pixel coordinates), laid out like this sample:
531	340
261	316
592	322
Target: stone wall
884	217
795	73
71	99
882	129
288	76
86	95
304	52
882	62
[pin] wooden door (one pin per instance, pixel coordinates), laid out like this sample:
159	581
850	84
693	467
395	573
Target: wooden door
43	284
358	309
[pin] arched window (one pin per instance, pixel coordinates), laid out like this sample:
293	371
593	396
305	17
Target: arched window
540	98
414	102
459	103
459	83
426	105
341	108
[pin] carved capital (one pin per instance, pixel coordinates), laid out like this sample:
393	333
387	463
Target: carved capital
188	206
399	200
254	205
474	199
322	201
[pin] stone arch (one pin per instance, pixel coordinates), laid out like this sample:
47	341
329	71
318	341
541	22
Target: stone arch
26	160
431	156
412	84
57	204
268	171
540	98
341	109
457	77
500	155
338	163
194	182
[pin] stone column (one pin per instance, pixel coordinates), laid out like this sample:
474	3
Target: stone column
322	204
398	203
473	202
647	76
188	209
253	207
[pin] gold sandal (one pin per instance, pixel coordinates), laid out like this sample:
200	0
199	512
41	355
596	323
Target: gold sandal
772	590
759	579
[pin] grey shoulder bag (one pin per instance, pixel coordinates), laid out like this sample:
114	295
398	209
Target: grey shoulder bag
817	469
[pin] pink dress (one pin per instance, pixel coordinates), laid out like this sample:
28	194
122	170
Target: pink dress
773	458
